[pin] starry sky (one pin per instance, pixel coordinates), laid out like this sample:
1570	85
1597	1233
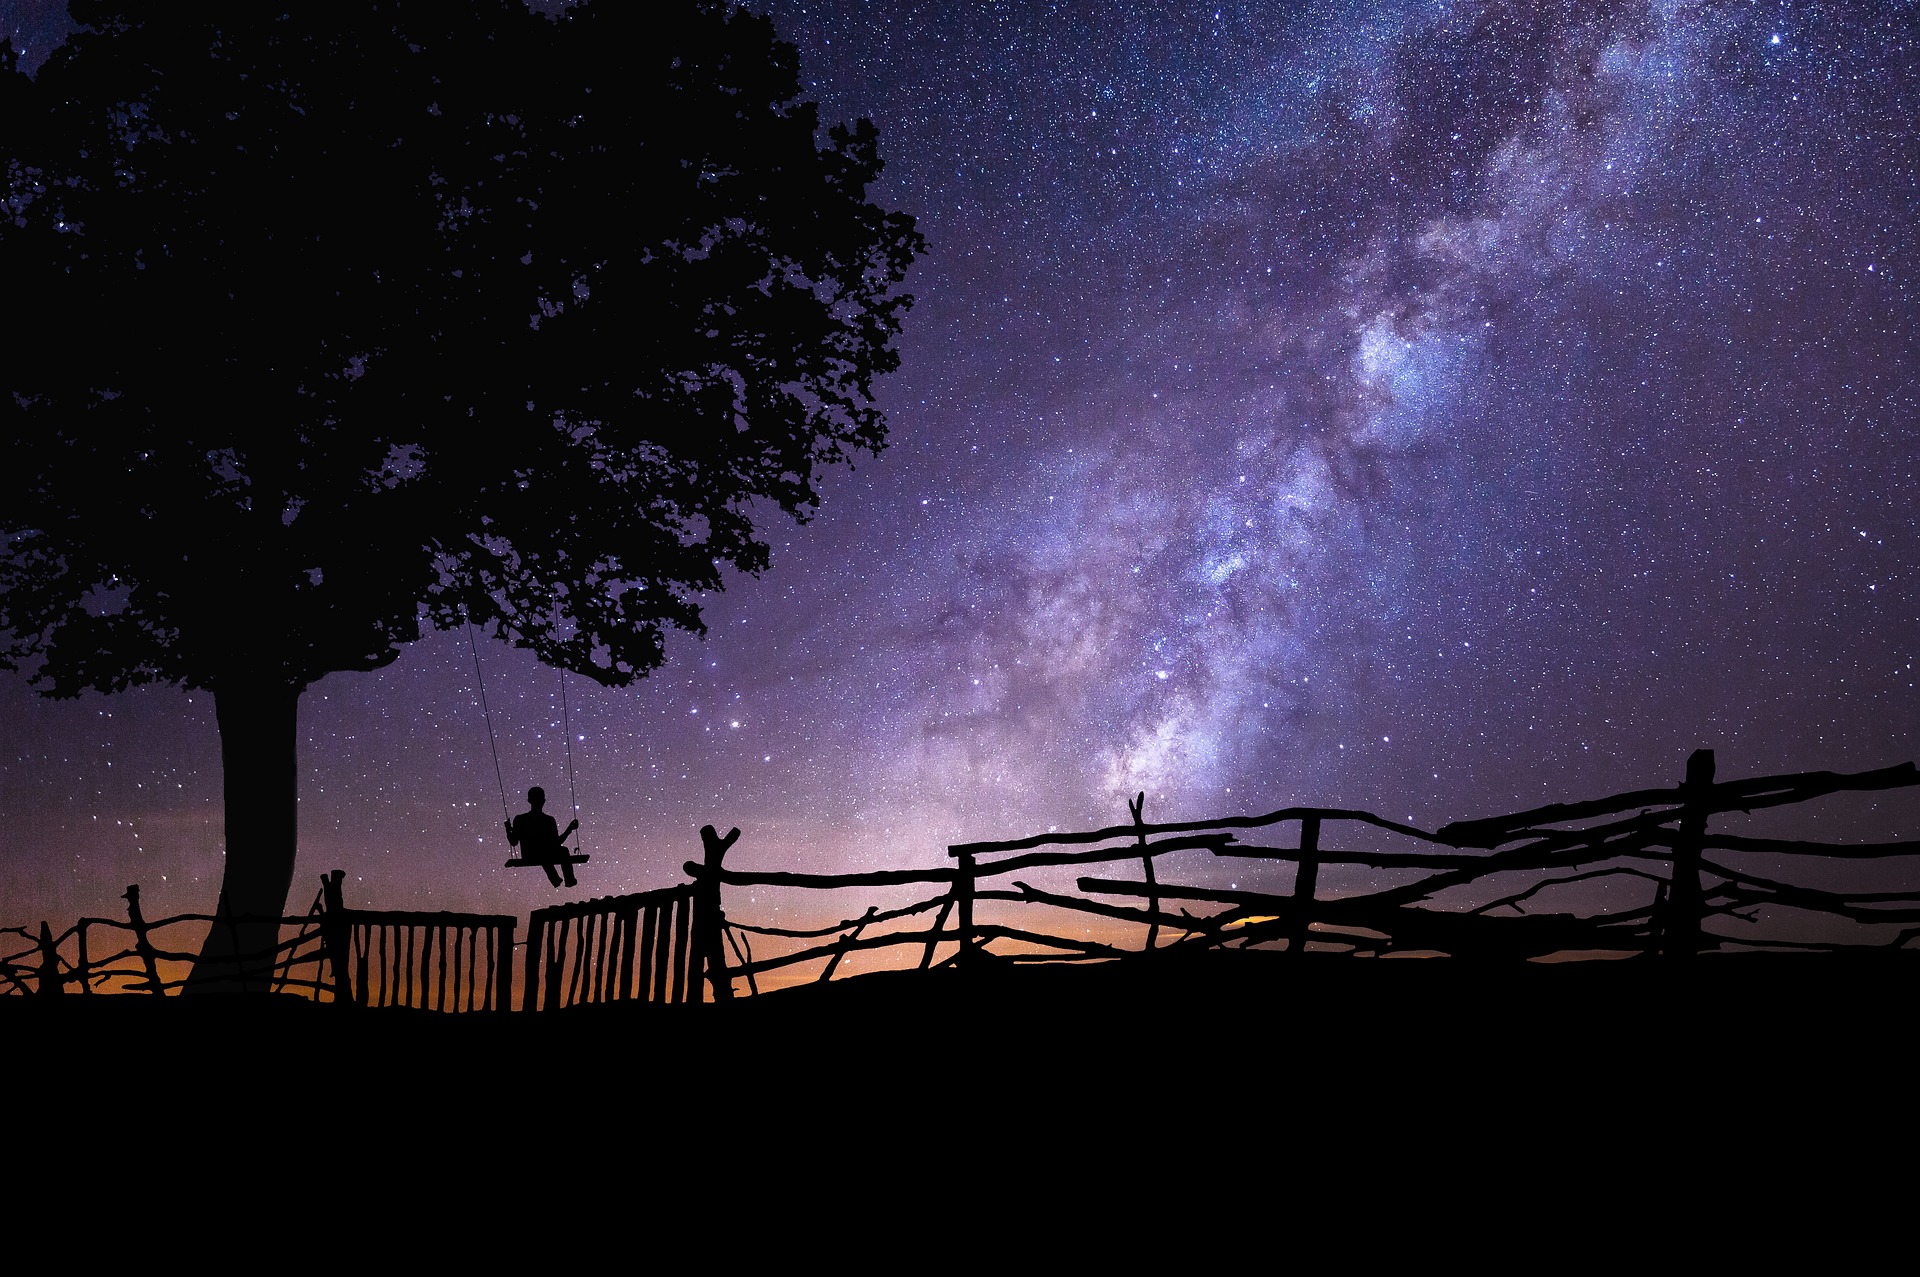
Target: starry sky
1438	408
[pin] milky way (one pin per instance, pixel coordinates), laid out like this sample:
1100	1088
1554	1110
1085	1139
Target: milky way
1434	408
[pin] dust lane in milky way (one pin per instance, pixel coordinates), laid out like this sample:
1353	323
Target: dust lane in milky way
1433	408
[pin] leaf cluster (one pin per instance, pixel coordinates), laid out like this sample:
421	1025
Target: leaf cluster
332	321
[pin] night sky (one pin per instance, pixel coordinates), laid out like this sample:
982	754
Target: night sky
1434	408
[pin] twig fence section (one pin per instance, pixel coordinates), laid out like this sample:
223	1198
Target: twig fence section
72	962
1657	837
353	957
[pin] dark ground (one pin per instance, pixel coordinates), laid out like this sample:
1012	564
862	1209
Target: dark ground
1230	1033
1196	1098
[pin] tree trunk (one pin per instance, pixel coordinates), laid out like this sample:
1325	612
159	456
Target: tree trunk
257	753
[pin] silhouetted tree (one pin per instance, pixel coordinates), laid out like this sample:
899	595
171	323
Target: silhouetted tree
329	321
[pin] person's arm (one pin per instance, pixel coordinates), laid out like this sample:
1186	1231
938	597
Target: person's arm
513	837
569	829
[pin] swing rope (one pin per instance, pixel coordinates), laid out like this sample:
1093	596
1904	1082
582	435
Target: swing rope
566	724
486	713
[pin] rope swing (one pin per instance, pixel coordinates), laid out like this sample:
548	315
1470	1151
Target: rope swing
562	858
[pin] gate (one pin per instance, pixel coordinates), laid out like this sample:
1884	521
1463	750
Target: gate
636	948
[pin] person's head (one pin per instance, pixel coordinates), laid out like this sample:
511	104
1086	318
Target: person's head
536	798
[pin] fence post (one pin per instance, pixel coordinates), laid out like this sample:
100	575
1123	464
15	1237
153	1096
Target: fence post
1306	880
82	971
629	924
963	900
141	945
1136	806
335	937
51	983
709	923
1685	901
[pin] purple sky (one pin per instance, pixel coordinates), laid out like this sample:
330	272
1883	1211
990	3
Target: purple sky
1434	408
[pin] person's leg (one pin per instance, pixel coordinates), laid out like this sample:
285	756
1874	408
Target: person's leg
553	877
567	868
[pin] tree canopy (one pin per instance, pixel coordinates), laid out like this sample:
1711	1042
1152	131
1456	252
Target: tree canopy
331	322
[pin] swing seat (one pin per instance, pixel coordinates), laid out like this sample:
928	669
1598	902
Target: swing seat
571	858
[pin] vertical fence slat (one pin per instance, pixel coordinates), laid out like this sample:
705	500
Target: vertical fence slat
530	969
669	927
649	942
580	948
682	927
664	957
629	919
487	1002
609	960
602	944
503	978
596	977
556	963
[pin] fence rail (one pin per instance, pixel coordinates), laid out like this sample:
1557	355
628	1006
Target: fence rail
672	945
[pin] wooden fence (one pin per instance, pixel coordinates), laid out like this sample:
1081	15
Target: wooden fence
1465	890
354	957
1699	890
77	961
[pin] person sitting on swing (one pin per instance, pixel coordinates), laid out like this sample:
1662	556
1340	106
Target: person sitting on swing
539	841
